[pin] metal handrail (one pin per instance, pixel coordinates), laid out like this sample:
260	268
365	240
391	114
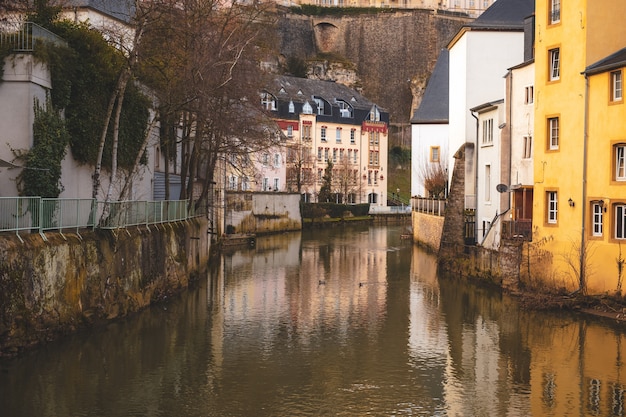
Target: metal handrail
38	215
432	206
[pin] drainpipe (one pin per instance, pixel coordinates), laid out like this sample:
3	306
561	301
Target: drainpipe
581	278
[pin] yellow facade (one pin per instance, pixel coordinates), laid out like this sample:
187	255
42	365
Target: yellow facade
572	153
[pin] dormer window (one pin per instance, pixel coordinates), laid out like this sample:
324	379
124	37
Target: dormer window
307	109
282	90
292	108
345	110
374	114
268	101
323	108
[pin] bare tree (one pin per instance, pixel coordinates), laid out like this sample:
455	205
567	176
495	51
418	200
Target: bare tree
435	178
345	178
299	163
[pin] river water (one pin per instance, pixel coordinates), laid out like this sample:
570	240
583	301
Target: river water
343	322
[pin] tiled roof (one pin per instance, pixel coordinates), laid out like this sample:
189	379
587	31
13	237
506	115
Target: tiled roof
299	90
434	105
504	14
122	10
615	60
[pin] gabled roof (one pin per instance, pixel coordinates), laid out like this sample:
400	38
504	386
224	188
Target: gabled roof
504	14
123	10
611	62
433	108
299	90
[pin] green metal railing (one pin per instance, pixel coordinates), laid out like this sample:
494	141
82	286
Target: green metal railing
38	215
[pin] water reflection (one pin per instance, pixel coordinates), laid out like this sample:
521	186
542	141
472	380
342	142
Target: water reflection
343	322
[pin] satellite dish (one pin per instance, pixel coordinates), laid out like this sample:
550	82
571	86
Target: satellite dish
502	188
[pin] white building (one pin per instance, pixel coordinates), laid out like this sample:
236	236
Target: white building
480	54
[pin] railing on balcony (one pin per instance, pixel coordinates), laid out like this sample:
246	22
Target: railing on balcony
25	36
38	215
517	230
432	206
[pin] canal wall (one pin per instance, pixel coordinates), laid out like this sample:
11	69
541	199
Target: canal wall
262	212
427	230
55	287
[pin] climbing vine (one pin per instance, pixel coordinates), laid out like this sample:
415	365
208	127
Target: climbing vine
42	173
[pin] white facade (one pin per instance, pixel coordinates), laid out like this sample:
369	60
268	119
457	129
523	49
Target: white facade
478	62
491	203
429	145
522	122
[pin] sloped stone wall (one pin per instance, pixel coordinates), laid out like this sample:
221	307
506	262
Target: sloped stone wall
54	287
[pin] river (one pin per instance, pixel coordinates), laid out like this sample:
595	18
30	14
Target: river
350	321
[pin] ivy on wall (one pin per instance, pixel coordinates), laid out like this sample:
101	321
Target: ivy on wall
42	176
83	76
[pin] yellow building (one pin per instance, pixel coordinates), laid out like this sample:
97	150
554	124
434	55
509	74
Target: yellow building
576	130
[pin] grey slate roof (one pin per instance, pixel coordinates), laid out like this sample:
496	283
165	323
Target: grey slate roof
122	10
613	61
328	90
434	105
504	14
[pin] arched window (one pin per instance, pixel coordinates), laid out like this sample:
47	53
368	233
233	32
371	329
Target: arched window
268	102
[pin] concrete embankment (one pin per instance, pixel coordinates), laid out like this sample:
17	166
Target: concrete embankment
54	287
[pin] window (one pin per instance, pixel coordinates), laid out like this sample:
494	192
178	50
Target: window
555	64
434	154
326	154
620	162
488	132
335	155
276	183
553	133
268	102
355	156
232	182
245	184
528	147
265	185
374	114
551	198
319	154
307	109
596	220
341	154
323	134
292	108
306	132
322	106
620	221
555	11
487	182
345	110
616	85
529	92
338	135
290	131
266	159
352	137
276	160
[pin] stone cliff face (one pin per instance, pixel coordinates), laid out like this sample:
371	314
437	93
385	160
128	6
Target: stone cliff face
387	56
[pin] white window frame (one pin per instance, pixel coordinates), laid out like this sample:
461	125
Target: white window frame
553	133
552	206
617	85
276	184
620	162
268	102
597	214
292	107
276	160
352	136
307	108
555	11
265	184
555	64
290	131
338	135
323	134
488	132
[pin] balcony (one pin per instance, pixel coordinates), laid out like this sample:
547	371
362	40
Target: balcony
517	230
